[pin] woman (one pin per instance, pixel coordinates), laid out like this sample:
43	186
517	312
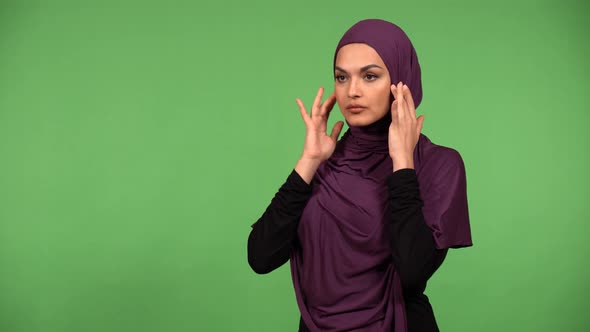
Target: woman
365	221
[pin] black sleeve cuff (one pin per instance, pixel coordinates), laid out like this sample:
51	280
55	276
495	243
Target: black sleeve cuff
405	177
296	183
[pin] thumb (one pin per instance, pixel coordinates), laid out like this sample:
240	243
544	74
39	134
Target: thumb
336	130
420	122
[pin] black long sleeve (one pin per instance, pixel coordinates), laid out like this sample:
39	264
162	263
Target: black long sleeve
272	236
413	248
414	251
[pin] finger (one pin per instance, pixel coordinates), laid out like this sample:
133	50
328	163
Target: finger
400	101
317	101
393	89
302	111
408	112
328	105
336	130
420	122
394	110
394	106
408	97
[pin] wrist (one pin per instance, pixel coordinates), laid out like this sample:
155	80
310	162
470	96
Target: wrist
401	163
306	168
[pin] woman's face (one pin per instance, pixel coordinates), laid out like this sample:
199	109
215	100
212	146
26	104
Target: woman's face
361	84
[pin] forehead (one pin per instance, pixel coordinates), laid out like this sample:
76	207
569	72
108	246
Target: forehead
357	55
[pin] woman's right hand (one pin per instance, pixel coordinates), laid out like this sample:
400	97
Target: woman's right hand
318	145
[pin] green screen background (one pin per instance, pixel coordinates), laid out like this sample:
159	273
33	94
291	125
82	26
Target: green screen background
140	140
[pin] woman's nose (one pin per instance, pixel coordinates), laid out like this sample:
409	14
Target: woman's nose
354	90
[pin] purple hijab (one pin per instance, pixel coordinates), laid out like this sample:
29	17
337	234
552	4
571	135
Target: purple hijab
342	270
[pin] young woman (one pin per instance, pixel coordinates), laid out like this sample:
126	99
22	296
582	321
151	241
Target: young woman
366	220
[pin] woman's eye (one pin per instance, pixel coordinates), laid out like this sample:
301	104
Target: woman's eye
371	77
340	78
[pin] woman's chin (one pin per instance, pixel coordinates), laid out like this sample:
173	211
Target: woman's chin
359	121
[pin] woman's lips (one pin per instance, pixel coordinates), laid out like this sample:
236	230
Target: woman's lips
356	108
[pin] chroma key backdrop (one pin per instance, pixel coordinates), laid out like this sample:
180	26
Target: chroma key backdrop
140	140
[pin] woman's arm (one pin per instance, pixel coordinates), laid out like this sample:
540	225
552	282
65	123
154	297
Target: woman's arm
272	236
413	248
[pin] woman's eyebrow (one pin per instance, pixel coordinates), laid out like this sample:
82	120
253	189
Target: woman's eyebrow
365	68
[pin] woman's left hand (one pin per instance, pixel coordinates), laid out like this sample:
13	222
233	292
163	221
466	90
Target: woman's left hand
405	128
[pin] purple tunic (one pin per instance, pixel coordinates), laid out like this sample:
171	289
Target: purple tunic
342	271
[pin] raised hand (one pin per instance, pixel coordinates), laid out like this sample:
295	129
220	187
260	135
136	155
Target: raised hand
318	145
405	128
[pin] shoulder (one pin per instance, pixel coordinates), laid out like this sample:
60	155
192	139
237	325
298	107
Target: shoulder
438	161
436	154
